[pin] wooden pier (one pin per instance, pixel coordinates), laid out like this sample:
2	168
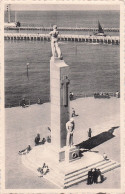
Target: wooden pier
64	37
61	28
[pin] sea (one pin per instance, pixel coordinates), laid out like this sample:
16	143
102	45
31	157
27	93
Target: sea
94	67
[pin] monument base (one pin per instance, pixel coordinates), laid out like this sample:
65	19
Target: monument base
67	153
65	174
71	153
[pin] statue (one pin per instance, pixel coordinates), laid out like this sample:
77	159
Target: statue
70	126
64	84
54	43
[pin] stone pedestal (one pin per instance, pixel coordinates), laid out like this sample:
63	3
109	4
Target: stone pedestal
71	154
59	95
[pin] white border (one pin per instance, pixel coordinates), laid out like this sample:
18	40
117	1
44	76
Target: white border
109	2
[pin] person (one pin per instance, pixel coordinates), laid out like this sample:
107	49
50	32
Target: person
70	126
95	176
71	95
74	113
49	129
117	94
37	139
25	151
43	140
54	43
43	170
48	139
90	176
99	178
105	156
39	101
90	133
23	103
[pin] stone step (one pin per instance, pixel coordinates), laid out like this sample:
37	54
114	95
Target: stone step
55	178
111	168
38	164
83	173
51	176
83	176
63	180
28	164
85	169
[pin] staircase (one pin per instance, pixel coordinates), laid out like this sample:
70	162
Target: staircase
64	177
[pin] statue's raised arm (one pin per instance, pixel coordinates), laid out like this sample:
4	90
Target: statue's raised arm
56	52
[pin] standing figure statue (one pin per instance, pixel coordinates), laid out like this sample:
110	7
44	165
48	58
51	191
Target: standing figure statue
54	43
70	126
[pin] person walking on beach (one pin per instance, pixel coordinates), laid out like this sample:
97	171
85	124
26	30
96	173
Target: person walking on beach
54	43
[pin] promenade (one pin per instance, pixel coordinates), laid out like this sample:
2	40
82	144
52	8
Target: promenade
99	114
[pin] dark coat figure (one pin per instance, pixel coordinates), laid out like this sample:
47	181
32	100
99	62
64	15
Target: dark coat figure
23	103
95	176
90	133
37	139
90	177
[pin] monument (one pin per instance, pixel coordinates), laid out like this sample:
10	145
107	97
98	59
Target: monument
60	102
66	166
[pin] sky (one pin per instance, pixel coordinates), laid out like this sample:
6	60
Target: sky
64	6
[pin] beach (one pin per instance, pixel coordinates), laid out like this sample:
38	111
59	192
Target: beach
22	125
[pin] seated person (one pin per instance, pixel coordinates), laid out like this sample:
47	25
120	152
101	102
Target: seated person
48	139
74	113
37	139
23	103
43	140
71	95
105	156
25	151
45	169
39	101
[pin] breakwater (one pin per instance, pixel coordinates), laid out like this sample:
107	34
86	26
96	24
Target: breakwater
64	37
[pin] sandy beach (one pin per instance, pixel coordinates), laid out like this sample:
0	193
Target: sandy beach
22	125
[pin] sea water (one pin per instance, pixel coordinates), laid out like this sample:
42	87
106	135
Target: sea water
93	67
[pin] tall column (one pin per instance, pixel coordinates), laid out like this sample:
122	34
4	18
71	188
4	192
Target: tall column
59	94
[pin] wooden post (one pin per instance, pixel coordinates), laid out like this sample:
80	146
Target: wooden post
27	65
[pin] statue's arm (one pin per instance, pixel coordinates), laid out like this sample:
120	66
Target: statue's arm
67	128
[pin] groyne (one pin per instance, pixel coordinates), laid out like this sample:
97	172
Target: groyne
64	37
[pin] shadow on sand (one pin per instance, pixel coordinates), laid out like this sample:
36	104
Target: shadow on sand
98	139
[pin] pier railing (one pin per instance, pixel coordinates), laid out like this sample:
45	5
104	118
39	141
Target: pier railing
64	37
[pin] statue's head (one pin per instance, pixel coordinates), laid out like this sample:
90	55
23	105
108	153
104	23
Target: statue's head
54	27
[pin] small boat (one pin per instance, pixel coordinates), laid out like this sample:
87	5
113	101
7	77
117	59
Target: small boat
100	30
